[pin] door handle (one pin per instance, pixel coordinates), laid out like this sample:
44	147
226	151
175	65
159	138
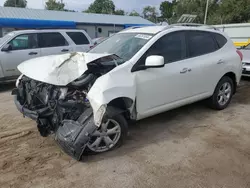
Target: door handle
220	62
64	50
185	70
33	53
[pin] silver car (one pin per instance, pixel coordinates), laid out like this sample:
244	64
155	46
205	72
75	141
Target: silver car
245	50
19	46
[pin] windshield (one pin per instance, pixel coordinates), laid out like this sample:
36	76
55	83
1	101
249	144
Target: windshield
124	45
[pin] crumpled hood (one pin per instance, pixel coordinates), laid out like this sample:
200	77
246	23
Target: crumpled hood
58	69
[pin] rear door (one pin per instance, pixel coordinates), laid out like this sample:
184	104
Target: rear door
82	42
24	47
53	43
203	62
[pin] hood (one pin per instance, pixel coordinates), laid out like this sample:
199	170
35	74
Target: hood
58	69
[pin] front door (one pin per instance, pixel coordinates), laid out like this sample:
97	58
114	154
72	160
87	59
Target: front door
158	87
23	47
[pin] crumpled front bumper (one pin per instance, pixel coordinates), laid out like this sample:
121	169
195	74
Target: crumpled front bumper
29	113
72	136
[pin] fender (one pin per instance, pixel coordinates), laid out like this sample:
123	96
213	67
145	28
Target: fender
119	83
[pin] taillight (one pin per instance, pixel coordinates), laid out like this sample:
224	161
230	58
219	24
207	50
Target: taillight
240	54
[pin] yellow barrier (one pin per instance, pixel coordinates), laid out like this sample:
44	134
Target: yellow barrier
238	44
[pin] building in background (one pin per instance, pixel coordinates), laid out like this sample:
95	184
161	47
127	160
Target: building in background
96	25
239	33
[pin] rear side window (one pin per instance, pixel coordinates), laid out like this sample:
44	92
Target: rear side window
51	40
221	40
200	43
78	37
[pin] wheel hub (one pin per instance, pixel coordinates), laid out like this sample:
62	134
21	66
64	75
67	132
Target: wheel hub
106	137
224	93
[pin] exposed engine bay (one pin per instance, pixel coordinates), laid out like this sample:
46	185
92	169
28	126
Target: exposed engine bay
63	110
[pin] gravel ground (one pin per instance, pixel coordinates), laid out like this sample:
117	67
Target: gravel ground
189	147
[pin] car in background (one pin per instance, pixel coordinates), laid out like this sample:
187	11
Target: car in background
97	41
19	46
245	50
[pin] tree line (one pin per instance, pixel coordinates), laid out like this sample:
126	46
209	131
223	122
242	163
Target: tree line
219	11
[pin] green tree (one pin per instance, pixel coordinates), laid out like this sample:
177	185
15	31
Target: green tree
232	11
196	7
166	9
119	12
134	13
15	3
101	7
54	5
150	13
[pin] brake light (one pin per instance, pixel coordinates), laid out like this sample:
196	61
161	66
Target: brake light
240	54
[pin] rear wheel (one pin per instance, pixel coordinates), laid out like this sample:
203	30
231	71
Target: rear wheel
223	94
111	134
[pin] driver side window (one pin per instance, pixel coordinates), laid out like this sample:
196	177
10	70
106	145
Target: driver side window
171	47
22	42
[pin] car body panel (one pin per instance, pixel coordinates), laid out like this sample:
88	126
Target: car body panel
58	70
141	86
246	61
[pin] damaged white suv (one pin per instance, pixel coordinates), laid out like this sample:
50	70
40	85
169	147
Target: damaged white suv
86	99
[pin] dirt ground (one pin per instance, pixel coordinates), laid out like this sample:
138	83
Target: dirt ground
189	147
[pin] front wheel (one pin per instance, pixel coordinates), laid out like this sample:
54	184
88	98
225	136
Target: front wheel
223	94
111	134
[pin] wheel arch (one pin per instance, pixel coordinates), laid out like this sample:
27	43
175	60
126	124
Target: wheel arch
233	77
124	105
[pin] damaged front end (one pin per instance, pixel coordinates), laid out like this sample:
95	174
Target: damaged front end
63	110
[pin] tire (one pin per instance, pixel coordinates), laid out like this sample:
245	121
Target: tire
222	94
117	121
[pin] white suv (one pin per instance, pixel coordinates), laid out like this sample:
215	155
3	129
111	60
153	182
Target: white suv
86	99
19	46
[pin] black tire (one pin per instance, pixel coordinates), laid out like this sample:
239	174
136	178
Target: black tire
213	101
119	118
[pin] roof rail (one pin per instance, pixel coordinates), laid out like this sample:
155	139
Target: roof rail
195	25
133	27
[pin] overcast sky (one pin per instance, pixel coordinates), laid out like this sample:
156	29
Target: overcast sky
127	5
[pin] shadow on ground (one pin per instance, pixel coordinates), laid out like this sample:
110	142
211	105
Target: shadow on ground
171	125
7	87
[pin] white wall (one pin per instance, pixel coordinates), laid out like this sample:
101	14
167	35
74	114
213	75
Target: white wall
93	31
107	30
237	32
90	29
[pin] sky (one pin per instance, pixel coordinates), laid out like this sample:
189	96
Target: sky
79	5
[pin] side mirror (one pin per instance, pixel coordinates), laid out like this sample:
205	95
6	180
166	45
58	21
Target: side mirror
7	48
154	61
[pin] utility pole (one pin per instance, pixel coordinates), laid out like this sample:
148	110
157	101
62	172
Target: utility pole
205	18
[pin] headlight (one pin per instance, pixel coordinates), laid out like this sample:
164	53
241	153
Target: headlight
18	80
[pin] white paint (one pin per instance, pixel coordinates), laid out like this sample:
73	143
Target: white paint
155	90
58	69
